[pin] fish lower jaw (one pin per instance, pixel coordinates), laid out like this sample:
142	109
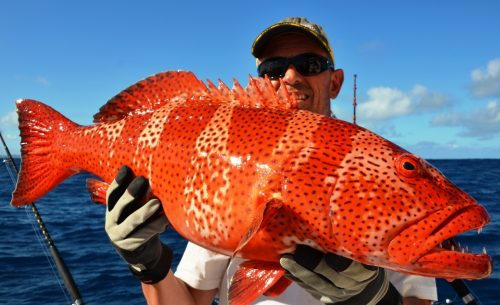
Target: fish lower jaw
451	265
424	247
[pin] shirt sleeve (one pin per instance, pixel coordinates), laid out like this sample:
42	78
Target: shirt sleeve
201	268
413	285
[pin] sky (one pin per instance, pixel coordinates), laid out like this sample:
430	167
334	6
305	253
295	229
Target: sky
428	72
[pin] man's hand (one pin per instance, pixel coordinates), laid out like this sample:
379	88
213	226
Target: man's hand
133	226
334	279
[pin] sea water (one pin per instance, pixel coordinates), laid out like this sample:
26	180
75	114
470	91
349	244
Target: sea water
77	229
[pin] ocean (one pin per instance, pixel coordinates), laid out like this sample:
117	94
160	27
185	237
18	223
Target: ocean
77	228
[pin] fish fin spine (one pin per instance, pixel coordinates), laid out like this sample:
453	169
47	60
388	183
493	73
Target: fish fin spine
41	167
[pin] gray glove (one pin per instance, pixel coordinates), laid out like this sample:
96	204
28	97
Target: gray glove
134	227
334	279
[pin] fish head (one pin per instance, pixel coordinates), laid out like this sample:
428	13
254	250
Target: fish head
393	209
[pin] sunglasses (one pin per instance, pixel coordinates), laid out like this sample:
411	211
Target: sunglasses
307	64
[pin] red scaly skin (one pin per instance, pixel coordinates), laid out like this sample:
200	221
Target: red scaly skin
223	162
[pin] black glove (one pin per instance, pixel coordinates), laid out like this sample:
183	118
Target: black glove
134	227
334	279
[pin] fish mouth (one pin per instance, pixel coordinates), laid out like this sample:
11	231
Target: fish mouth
426	247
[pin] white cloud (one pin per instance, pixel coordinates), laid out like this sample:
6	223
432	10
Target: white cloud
371	46
426	100
487	83
452	150
38	80
42	81
447	119
385	103
10	119
10	132
483	123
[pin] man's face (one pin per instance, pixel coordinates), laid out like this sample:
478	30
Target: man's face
313	92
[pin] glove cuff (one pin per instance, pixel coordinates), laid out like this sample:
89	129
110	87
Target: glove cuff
391	297
156	272
373	293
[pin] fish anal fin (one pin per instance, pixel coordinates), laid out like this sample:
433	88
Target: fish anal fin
97	190
253	279
265	211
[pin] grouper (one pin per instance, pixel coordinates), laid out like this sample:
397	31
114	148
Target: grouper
245	173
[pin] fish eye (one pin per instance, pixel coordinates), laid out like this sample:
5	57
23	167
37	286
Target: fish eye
408	166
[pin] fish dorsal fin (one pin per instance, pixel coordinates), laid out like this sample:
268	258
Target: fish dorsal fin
268	97
150	94
178	86
260	93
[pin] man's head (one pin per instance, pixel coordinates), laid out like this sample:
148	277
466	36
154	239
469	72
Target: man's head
298	52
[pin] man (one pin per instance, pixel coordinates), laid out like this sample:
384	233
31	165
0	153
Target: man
297	52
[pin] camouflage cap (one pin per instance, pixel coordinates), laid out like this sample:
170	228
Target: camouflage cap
292	24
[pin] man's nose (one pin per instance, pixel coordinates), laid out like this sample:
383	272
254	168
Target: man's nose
292	76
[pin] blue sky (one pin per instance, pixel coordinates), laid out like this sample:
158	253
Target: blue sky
428	71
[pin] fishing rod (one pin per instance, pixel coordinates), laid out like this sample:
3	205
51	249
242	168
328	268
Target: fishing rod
354	103
465	293
62	269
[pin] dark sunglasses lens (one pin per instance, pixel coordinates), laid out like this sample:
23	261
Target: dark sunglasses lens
274	68
308	65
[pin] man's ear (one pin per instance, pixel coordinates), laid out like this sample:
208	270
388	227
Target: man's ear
336	82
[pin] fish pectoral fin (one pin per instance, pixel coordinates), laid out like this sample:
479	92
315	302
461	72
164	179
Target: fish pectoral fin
262	214
255	278
279	287
97	190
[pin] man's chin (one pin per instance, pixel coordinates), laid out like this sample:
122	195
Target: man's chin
305	105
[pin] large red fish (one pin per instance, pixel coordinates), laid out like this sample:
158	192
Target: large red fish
244	172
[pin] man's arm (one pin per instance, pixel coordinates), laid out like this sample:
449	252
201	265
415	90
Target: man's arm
133	228
416	290
415	301
172	290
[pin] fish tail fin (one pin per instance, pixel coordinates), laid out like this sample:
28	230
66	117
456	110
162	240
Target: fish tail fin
41	166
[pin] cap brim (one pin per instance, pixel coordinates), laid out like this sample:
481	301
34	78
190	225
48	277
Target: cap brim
263	39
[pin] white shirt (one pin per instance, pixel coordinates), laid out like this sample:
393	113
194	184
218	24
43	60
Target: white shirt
205	270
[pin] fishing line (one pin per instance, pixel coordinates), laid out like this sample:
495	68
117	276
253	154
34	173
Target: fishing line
10	166
45	250
9	171
61	267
